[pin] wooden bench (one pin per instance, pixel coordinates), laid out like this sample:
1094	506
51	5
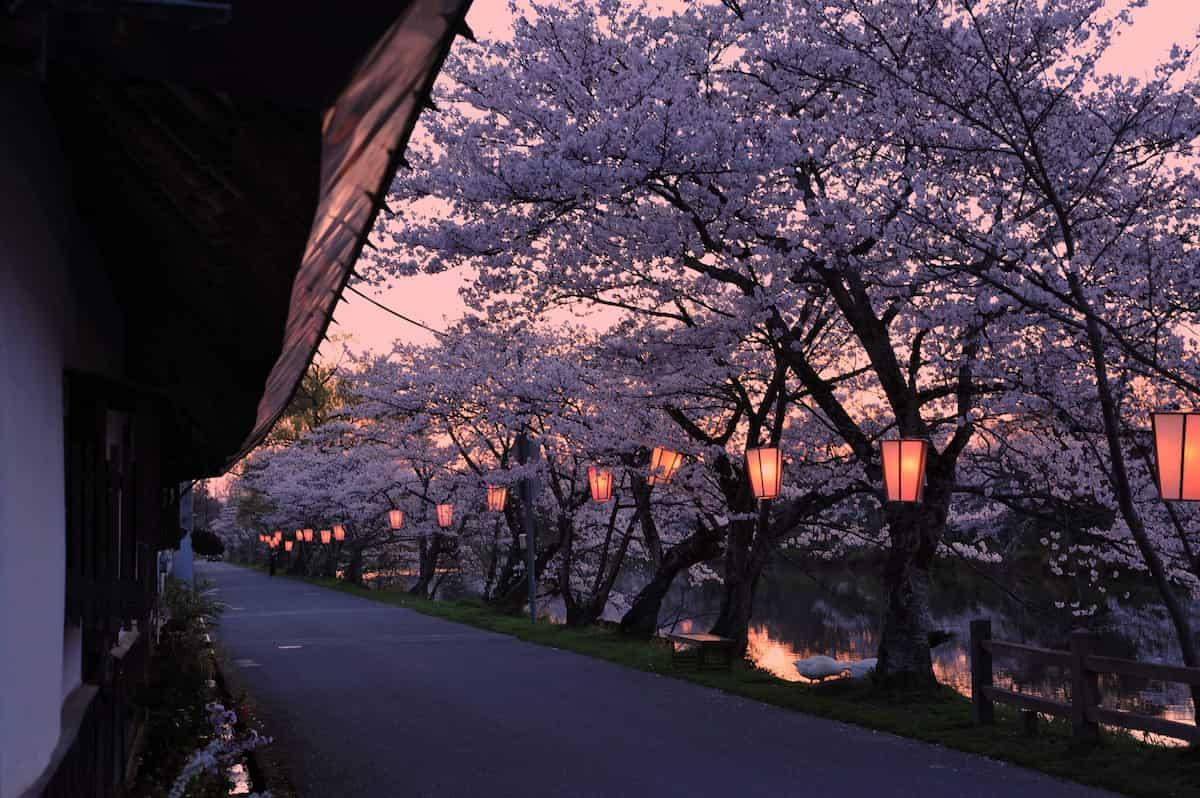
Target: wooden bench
699	649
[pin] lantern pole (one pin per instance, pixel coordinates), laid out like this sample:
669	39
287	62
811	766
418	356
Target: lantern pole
523	457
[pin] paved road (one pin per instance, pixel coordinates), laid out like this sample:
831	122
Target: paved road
368	700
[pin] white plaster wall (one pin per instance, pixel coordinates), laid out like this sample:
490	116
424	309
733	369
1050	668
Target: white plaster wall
55	311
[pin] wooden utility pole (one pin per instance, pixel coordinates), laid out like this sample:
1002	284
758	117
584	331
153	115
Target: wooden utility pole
527	497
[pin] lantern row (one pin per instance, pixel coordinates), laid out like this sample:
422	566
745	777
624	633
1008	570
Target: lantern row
1176	445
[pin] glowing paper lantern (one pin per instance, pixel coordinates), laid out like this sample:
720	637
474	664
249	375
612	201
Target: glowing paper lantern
299	535
445	515
339	532
308	536
395	519
764	465
663	465
496	498
262	538
1177	450
325	536
287	545
904	469
600	479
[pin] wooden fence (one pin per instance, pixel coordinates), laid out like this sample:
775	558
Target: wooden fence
1084	709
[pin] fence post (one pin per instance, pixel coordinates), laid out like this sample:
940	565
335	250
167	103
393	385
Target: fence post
981	672
1085	687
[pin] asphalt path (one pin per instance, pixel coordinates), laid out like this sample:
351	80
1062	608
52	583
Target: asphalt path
364	699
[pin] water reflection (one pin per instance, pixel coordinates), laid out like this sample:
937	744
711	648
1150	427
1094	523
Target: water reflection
952	666
834	613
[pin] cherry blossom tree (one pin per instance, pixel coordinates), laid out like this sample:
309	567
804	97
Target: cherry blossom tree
476	391
329	476
1069	196
645	162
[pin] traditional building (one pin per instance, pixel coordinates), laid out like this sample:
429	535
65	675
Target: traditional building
184	189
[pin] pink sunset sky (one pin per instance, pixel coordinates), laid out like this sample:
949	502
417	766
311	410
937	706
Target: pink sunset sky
434	300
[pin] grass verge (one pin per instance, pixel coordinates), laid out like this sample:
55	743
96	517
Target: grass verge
1120	763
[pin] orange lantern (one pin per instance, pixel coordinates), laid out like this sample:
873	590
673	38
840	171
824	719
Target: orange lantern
326	535
663	465
445	515
308	536
262	538
600	479
1177	450
395	519
287	545
497	496
764	465
904	468
278	537
339	532
299	535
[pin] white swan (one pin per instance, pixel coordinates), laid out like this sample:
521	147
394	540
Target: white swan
820	667
861	668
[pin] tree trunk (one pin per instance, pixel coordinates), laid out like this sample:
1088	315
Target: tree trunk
576	611
299	563
427	557
589	609
493	562
641	620
652	541
510	574
914	531
744	560
353	573
512	588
